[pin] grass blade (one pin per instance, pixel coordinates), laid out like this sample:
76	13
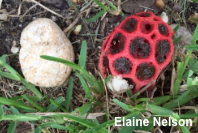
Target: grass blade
52	107
1	110
32	88
32	103
176	40
195	47
15	104
83	54
85	87
14	75
121	104
182	66
176	28
9	76
59	127
66	62
69	94
58	105
14	110
84	122
101	5
38	129
24	117
12	127
194	19
180	102
159	110
99	14
184	129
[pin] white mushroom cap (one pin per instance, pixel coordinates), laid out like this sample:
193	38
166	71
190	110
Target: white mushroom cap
164	17
44	37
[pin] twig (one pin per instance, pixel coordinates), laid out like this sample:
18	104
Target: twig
28	11
74	22
162	88
153	92
34	1
147	8
145	88
106	100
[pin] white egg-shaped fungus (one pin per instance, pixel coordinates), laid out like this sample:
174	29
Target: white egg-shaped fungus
44	37
118	85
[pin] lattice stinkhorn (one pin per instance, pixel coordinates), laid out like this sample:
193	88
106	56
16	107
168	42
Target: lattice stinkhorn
138	49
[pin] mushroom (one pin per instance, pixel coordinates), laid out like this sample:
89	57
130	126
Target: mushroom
138	50
44	37
118	85
164	17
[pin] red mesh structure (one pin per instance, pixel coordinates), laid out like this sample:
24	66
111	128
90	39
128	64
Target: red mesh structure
138	49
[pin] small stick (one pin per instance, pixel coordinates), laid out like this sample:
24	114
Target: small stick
153	92
74	22
162	88
106	100
36	2
145	88
28	10
146	8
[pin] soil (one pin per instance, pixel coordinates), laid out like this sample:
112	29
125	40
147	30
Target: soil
10	31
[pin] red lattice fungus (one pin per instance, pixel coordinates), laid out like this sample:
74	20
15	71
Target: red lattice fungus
138	49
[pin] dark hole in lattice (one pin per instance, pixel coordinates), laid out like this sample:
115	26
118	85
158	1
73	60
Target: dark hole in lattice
145	71
163	30
117	43
162	50
129	25
146	27
140	48
153	36
122	65
143	15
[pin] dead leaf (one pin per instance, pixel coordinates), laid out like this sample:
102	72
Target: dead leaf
177	8
4	14
89	116
135	6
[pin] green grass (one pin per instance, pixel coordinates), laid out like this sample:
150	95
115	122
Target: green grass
105	9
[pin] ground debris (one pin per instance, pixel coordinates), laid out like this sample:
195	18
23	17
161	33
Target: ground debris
184	33
135	6
60	4
3	15
24	128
